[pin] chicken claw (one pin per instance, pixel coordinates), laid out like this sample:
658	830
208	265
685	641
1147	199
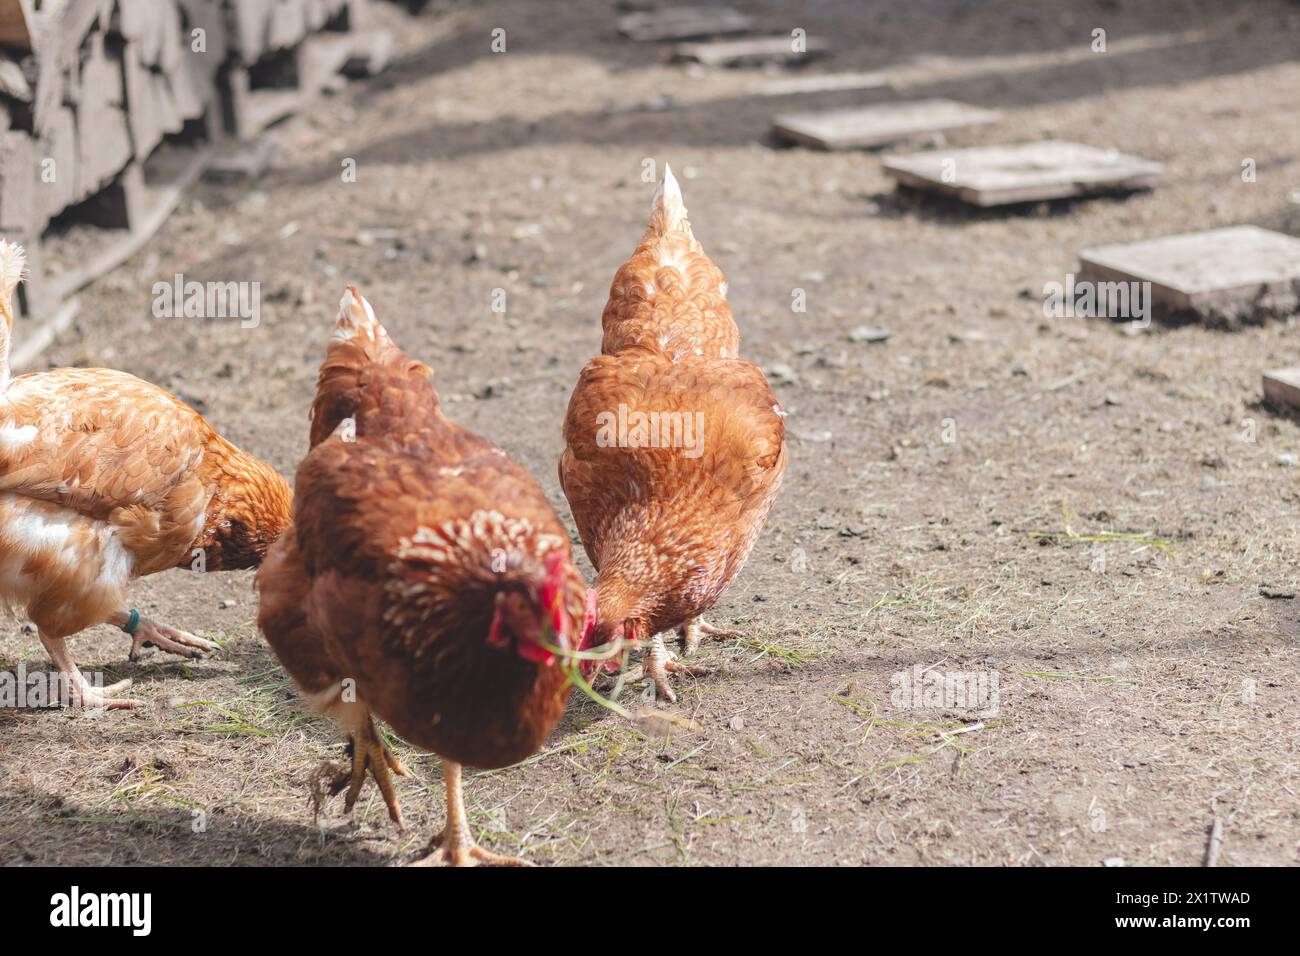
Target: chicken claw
659	661
146	632
82	693
369	752
697	627
454	846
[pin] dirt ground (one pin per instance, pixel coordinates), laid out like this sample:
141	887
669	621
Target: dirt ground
1086	514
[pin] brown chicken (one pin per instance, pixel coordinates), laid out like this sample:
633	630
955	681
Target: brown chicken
675	447
105	478
426	580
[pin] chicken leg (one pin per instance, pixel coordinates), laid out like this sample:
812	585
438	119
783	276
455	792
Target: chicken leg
370	753
80	692
696	627
659	661
149	633
455	845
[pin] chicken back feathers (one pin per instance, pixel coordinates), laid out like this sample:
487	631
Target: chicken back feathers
675	448
411	533
670	297
104	478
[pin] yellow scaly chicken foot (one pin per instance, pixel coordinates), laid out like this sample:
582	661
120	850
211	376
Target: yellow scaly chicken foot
150	633
454	846
81	693
659	661
696	628
370	753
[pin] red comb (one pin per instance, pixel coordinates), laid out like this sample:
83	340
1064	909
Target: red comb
553	591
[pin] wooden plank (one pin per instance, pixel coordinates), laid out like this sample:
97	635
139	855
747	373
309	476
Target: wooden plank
170	38
210	18
1282	387
13	82
1026	172
59	144
868	126
1200	271
18	175
139	23
103	137
251	18
777	49
71	27
143	111
683	23
287	26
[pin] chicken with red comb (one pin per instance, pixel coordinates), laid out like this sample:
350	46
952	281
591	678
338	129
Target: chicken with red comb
426	581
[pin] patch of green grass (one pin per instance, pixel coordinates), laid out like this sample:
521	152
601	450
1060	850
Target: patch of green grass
235	723
793	655
1144	538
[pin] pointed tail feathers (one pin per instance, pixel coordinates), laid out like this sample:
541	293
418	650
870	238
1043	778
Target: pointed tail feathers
359	342
667	209
358	326
13	263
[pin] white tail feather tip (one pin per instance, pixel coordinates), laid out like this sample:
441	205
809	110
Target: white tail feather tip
668	197
353	314
13	263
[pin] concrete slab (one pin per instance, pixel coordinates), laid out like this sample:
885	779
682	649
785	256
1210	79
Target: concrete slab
1233	269
683	23
777	49
867	126
1026	172
1282	387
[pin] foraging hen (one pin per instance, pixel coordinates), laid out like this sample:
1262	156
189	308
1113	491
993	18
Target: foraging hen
675	448
426	580
105	478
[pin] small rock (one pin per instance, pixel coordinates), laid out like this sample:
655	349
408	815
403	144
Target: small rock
737	723
1286	459
781	372
868	333
373	234
225	603
1113	861
1277	594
